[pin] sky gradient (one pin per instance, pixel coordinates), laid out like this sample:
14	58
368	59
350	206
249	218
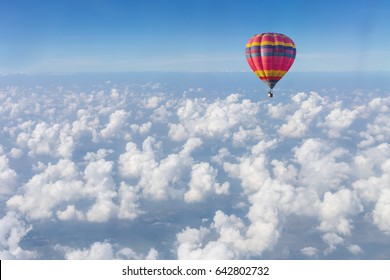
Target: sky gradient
112	36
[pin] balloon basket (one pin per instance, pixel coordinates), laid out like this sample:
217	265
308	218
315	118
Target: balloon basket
270	94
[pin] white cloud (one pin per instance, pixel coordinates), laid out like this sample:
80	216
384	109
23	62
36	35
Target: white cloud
134	161
338	120
379	104
377	131
58	183
337	210
319	165
368	162
243	136
228	228
142	128
381	213
97	251
309	251
355	249
230	238
8	176
101	186
277	111
152	255
333	241
59	187
12	231
197	118
86	124
268	198
307	108
157	178
105	251
70	213
163	113
251	170
55	140
16	153
116	125
128	207
100	154
220	157
203	181
374	186
152	102
285	174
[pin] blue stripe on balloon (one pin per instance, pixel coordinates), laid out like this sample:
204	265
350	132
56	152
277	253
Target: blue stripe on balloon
279	47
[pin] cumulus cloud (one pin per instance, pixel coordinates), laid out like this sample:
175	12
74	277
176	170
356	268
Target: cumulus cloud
252	169
355	249
378	130
45	139
320	165
374	186
61	186
70	213
8	176
203	181
116	124
128	207
56	184
269	199
277	111
333	241
381	213
134	161
157	178
142	128
105	251
228	228
242	137
309	251
198	118
16	153
12	231
306	108
101	187
86	124
97	251
337	210
152	102
338	120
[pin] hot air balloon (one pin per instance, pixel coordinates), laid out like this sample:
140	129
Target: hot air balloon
270	56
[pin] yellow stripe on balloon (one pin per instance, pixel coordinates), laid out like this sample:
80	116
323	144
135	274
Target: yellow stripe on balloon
270	73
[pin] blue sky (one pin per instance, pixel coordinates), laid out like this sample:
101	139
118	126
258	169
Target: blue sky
101	35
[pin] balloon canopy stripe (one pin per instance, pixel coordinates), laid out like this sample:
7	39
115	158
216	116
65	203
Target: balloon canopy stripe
270	74
270	47
270	56
273	44
292	55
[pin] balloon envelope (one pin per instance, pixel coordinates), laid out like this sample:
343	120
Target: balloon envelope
270	56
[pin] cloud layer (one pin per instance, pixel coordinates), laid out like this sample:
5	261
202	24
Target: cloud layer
208	176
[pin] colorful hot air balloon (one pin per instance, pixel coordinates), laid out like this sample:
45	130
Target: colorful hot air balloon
270	55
